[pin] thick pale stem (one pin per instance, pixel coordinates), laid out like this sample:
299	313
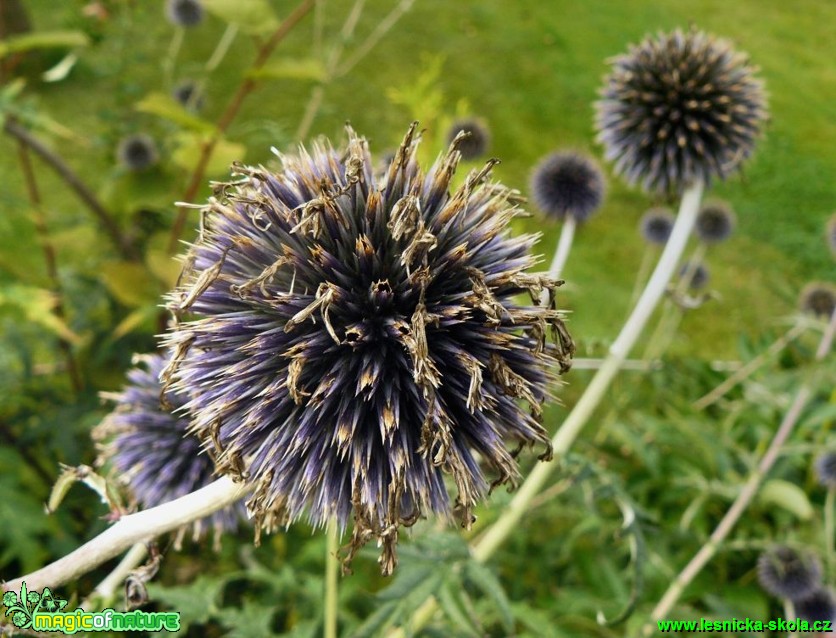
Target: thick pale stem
106	590
564	246
332	568
132	529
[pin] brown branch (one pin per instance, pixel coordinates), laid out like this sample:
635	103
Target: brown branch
14	129
246	87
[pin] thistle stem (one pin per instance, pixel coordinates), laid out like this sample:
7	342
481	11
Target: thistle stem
132	529
332	567
641	275
564	246
222	48
830	531
105	591
173	52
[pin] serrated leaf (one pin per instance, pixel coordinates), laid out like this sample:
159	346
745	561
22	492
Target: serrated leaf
451	598
190	145
406	580
42	40
292	69
788	496
253	16
486	581
130	283
197	602
253	620
168	108
382	618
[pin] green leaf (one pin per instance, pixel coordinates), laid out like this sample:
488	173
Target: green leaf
197	602
129	283
382	618
292	69
452	599
253	620
253	16
37	305
168	108
42	40
485	580
788	496
189	147
406	580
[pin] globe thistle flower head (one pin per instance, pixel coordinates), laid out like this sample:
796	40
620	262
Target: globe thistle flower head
698	274
149	449
357	341
184	13
478	139
786	573
818	298
567	184
679	107
189	95
656	226
826	469
137	152
819	605
715	222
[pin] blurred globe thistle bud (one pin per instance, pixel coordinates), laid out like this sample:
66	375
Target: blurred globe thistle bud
567	184
831	234
358	340
698	273
679	107
656	225
478	139
818	298
826	469
819	605
184	13
786	573
137	152
150	450
715	222
189	95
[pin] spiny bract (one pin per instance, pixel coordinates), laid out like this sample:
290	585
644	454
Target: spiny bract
679	107
358	339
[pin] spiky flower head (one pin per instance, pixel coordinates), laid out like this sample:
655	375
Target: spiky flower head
715	222
679	107
697	274
826	469
786	573
819	605
656	225
184	13
569	184
478	139
357	341
137	152
818	298
830	230
146	442
189	94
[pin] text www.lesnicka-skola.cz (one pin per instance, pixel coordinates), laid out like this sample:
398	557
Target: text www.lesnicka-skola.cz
799	625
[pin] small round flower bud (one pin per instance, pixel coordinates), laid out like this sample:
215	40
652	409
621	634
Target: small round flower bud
478	139
137	152
715	222
656	225
567	184
826	469
818	298
189	95
786	573
819	605
184	13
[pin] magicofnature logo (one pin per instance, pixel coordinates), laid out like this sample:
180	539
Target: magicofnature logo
42	611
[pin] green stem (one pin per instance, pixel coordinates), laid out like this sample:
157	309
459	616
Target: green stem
641	275
830	531
171	57
222	48
332	567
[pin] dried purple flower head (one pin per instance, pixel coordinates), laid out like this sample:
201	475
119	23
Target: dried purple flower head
137	152
567	184
358	340
656	225
149	449
698	275
786	573
679	107
478	139
715	222
818	298
189	94
831	234
826	469
184	13
819	605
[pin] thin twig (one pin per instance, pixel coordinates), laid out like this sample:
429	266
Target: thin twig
13	128
245	88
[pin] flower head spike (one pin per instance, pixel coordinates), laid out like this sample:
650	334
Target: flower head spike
137	152
567	184
698	274
357	340
715	222
149	448
826	469
818	298
184	13
478	139
679	107
819	605
656	225
785	573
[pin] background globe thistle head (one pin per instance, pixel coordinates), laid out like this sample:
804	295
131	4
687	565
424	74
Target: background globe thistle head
137	152
478	139
184	13
565	184
354	342
189	94
825	467
149	449
787	573
715	222
679	107
818	605
698	274
656	225
818	298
